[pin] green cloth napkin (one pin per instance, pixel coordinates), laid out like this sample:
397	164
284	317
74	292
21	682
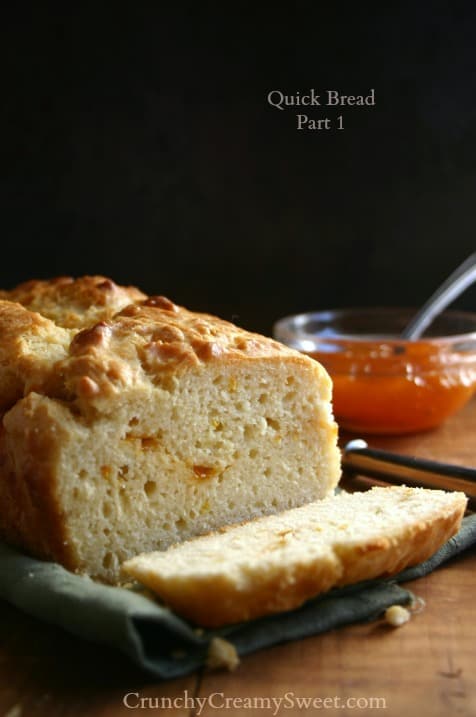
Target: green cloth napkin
167	646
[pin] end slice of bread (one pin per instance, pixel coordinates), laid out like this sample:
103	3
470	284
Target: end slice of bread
276	563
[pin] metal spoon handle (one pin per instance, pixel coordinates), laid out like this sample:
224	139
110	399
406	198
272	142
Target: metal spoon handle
359	459
454	285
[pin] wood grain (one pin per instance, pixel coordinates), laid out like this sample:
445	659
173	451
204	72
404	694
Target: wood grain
424	668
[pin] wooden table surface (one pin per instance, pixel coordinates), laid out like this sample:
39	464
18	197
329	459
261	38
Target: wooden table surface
426	667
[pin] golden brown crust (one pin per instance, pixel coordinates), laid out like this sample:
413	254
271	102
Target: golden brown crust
74	302
385	558
31	515
147	340
125	340
38	320
30	345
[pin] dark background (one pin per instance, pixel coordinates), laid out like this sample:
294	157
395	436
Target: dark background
138	143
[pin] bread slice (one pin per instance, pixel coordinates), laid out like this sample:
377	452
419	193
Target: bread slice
130	423
278	562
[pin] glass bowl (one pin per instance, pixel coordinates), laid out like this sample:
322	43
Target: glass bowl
383	384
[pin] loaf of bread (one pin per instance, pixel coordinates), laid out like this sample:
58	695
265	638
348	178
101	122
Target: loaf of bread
276	563
130	423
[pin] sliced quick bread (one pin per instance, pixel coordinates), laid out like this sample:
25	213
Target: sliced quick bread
130	423
276	563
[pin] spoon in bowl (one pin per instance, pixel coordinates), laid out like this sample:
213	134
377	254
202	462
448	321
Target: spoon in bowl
450	289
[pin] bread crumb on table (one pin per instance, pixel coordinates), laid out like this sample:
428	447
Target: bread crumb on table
221	653
396	615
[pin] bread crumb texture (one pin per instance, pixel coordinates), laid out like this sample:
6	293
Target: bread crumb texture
222	654
131	423
396	615
278	562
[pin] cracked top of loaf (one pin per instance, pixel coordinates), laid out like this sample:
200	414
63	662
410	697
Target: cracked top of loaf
74	303
87	340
